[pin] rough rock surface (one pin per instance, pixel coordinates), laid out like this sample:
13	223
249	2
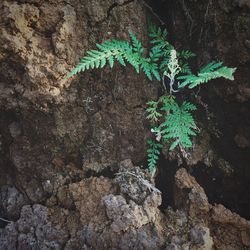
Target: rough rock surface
94	214
99	218
93	120
189	195
11	202
54	133
228	230
219	31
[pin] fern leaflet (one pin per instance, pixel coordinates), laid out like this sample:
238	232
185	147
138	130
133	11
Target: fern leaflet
178	124
137	46
185	54
153	153
158	39
121	51
153	114
211	71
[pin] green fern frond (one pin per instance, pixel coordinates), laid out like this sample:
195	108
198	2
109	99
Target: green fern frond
153	153
156	33
153	114
159	40
211	67
107	52
185	54
209	72
137	46
178	125
185	68
121	51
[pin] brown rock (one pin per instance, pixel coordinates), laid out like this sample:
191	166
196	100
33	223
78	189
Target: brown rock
190	195
96	121
224	216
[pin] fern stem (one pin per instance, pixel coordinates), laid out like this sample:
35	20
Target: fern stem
163	83
172	90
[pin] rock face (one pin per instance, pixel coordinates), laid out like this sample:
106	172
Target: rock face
54	133
11	202
218	31
98	213
99	218
93	120
189	195
228	230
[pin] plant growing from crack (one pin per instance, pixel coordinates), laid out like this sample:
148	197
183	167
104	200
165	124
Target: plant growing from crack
172	120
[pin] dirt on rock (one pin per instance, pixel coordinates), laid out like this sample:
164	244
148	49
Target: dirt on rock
99	217
92	121
221	228
103	217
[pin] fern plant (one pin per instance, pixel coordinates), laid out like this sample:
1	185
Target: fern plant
172	121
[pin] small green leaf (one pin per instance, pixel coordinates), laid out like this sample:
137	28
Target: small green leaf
174	145
103	62
111	61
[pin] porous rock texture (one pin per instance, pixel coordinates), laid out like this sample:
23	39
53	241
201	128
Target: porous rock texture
91	121
92	215
54	132
98	213
218	31
215	226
